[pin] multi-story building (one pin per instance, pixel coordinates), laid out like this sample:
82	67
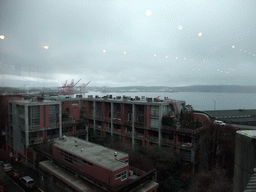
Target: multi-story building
139	121
37	120
4	100
86	162
31	122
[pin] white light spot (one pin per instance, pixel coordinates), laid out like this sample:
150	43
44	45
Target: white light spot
184	58
155	55
124	52
148	12
203	60
166	57
233	46
46	47
200	34
104	51
180	27
2	37
176	57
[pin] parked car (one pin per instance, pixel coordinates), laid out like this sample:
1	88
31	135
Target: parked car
219	122
7	167
3	188
15	175
27	182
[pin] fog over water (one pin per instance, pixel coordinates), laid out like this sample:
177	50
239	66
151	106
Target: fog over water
199	100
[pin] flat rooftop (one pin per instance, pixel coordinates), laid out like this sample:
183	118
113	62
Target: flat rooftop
92	152
65	176
136	99
34	102
248	133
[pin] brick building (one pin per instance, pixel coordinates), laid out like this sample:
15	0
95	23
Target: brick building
138	121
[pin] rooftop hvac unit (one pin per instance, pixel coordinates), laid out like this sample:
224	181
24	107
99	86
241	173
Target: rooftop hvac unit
142	97
118	97
110	96
149	99
130	173
97	96
90	96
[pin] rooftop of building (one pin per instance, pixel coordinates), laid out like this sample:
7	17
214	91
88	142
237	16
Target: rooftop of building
136	99
35	101
92	152
248	133
234	113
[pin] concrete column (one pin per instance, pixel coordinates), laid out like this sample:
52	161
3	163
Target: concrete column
112	115
93	115
160	125
60	120
133	129
26	126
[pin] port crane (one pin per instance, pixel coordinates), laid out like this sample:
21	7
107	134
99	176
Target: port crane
67	89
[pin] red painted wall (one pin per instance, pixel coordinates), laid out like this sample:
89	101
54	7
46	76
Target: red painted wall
73	108
96	171
41	116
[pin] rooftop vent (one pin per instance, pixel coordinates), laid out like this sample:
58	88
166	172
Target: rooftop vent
115	154
149	99
82	150
75	140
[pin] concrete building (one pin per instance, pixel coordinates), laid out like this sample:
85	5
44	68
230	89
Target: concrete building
138	121
235	116
4	100
31	122
105	168
245	159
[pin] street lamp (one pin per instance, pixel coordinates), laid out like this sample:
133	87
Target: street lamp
214	105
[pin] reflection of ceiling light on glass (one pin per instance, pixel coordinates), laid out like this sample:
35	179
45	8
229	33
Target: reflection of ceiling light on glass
155	55
233	46
1	37
166	57
180	27
46	47
200	34
203	60
148	12
104	51
176	57
124	52
185	58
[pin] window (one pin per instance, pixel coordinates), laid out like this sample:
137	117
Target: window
52	114
72	158
122	175
154	110
154	123
165	110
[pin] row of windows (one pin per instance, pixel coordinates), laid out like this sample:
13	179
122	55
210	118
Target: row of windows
234	116
72	158
122	175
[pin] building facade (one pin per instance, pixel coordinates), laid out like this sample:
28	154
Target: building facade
32	122
138	121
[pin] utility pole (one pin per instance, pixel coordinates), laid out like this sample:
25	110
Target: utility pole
214	105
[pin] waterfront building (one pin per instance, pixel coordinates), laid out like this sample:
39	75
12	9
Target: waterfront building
138	121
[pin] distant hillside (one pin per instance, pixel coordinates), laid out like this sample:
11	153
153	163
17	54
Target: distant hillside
195	88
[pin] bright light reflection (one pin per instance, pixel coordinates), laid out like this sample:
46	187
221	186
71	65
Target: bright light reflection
1	37
124	52
176	57
104	51
200	34
166	57
46	47
233	46
185	58
148	12
155	55
180	27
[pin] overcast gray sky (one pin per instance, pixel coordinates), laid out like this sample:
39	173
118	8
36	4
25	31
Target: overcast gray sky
127	42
